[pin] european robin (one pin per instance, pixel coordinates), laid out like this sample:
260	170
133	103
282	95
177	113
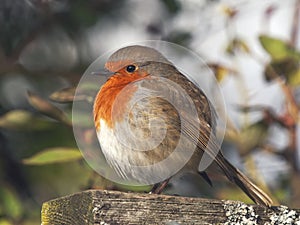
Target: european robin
146	109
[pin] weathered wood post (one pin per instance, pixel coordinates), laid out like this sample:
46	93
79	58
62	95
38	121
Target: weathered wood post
112	207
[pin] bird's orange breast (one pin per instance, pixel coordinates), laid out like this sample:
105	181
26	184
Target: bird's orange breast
104	103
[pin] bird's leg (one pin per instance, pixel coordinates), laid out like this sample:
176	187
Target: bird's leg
159	187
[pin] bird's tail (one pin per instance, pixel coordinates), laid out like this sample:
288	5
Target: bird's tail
236	176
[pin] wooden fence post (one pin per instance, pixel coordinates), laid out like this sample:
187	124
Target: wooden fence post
112	207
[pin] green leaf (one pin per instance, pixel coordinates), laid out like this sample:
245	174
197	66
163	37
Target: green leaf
294	78
5	222
278	49
22	120
54	155
287	68
45	107
275	47
11	204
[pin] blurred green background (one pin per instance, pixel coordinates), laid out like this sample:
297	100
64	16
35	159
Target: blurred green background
46	45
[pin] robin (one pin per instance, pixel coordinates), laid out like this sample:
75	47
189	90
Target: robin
146	111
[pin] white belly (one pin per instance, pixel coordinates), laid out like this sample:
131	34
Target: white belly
124	159
127	161
113	150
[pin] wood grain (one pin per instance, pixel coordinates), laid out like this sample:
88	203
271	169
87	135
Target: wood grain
112	207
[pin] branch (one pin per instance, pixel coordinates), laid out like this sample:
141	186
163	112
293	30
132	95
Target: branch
295	24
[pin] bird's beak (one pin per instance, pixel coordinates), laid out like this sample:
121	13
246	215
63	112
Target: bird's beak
103	72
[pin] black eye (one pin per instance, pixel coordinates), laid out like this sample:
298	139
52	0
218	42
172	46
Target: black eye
130	68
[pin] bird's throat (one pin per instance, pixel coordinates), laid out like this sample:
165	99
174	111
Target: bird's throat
105	105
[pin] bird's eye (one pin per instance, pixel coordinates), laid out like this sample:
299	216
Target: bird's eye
130	68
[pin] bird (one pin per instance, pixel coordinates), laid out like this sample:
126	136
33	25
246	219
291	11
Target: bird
145	110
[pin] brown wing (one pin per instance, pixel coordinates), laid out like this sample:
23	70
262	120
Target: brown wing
168	100
206	139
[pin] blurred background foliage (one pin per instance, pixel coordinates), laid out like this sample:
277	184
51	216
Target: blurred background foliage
46	45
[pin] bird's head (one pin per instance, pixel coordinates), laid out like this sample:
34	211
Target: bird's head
135	54
126	65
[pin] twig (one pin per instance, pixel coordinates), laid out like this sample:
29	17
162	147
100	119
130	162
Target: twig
295	24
